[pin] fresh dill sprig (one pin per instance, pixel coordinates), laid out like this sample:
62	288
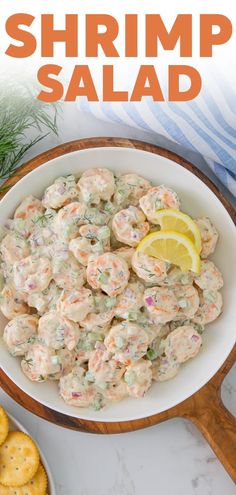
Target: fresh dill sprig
24	121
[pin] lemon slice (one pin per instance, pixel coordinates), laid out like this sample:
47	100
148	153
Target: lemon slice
170	219
172	247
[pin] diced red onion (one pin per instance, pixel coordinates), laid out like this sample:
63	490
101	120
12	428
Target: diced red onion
149	300
76	394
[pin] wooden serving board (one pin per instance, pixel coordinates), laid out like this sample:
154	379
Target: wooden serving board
205	408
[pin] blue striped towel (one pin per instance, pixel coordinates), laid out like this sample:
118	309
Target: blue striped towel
206	125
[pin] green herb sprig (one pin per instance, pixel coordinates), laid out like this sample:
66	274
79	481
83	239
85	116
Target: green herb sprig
21	116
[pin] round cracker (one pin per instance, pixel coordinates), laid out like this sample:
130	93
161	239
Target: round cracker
4	425
36	486
19	459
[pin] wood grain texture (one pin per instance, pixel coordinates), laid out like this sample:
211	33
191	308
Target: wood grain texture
205	407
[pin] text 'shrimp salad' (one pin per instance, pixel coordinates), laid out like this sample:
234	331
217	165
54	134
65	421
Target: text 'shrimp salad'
101	32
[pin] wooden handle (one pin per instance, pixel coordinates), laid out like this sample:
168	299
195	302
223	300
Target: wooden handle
206	410
219	428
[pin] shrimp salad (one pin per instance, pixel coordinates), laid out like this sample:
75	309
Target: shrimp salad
85	307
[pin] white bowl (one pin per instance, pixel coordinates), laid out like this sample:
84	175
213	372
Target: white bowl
197	199
15	425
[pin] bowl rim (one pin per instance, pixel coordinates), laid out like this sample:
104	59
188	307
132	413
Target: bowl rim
93	143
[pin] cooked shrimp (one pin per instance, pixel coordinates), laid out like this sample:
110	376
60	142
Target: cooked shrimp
164	369
46	300
127	341
209	236
27	214
148	268
93	240
108	272
130	226
126	253
182	344
56	331
138	377
102	368
129	189
115	391
32	274
188	301
210	307
69	219
75	305
96	184
75	389
129	301
11	303
157	198
20	333
63	191
13	248
67	272
210	277
161	303
39	362
100	318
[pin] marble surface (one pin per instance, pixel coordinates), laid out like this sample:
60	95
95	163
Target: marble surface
171	458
